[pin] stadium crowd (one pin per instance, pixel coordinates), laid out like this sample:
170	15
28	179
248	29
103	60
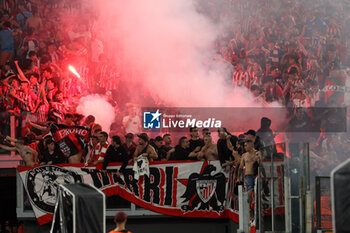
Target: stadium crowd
281	50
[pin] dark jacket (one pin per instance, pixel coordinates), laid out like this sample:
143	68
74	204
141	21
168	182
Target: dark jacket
180	153
223	152
116	154
56	157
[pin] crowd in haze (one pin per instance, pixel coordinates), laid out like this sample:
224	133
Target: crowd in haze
285	53
289	51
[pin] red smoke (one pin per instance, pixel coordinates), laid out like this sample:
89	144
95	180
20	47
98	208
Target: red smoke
165	48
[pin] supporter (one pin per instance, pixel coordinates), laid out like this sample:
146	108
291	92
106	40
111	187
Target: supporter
183	151
300	100
130	145
89	120
28	155
7	70
101	148
259	96
51	88
224	153
158	146
116	153
196	143
248	160
23	15
52	154
240	77
34	22
68	120
273	91
205	132
96	128
33	62
132	122
7	43
42	147
57	105
42	106
166	147
92	145
144	148
30	44
25	98
209	151
265	133
6	17
34	84
251	135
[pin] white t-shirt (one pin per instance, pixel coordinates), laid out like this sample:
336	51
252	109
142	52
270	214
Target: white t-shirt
141	167
134	125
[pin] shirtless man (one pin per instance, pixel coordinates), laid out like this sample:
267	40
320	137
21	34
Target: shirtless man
68	120
34	22
144	148
209	151
25	152
249	158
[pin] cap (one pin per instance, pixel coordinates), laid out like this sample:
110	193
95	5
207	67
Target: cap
120	217
143	136
129	135
250	132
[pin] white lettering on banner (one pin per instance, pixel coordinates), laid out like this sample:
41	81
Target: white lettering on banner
64	132
190	189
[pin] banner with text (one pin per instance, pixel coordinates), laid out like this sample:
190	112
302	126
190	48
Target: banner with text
189	189
181	188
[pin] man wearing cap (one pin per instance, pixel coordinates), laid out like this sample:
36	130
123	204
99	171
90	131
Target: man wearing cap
120	222
251	135
144	148
157	145
130	145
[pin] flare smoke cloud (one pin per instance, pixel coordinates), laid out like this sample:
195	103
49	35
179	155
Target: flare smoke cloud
165	48
97	106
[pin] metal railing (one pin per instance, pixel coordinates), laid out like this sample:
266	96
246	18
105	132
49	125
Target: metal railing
24	210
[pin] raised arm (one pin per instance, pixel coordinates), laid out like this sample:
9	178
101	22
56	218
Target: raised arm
195	152
152	153
11	139
168	154
39	127
8	148
5	81
240	169
21	75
